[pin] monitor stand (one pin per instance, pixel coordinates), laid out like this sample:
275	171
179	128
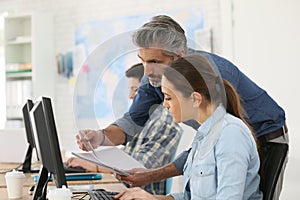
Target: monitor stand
40	191
27	162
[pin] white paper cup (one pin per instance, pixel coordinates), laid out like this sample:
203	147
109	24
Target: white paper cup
14	183
60	194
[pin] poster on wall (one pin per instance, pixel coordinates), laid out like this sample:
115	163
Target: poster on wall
104	51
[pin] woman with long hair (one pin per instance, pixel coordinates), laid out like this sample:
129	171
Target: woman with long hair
223	162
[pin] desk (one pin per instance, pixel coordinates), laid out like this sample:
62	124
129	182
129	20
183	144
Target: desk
108	182
117	187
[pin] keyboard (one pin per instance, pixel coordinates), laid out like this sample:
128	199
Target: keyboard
73	169
101	194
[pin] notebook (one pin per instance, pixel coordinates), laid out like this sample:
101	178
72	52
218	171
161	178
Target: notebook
112	158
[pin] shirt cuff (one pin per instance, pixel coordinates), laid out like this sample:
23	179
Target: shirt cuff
128	126
177	196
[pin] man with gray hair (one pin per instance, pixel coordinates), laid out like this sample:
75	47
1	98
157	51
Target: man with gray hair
161	41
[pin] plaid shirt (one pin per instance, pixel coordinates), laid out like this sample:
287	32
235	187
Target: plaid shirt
156	144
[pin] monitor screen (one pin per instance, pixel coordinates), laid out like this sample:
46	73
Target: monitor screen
30	138
47	144
26	109
58	169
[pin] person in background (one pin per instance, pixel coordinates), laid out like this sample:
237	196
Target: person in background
160	41
223	162
134	75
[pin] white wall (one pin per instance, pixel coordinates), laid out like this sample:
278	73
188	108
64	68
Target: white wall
69	14
2	73
265	45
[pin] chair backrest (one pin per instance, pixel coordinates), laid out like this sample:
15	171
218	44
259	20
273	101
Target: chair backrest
272	159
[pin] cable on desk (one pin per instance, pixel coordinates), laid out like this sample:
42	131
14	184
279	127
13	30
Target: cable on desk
16	168
79	196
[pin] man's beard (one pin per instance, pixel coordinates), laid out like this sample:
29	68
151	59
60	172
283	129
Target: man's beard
156	82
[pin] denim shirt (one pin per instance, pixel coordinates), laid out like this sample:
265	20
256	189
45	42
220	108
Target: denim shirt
263	113
223	162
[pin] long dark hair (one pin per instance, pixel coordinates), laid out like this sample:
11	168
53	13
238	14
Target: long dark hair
194	73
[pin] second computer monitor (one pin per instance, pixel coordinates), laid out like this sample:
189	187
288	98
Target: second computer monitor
45	134
30	138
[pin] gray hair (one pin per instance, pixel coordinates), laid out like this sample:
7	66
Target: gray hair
161	32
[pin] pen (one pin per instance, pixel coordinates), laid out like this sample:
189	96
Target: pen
30	191
121	172
124	183
90	145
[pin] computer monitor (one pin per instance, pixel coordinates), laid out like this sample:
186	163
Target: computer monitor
30	138
58	170
45	135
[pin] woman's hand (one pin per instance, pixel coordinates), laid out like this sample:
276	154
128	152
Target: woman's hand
135	193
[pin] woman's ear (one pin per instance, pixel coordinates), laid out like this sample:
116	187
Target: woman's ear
197	99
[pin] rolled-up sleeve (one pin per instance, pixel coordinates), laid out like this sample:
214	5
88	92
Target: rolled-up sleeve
177	196
180	160
128	126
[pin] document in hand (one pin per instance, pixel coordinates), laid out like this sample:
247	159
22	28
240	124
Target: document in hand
112	158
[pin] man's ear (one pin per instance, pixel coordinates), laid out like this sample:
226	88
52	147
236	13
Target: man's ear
197	99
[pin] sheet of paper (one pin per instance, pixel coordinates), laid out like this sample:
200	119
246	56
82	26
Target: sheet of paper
112	158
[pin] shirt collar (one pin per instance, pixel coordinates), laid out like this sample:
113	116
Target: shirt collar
217	115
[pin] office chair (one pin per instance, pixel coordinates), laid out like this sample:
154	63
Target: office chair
271	163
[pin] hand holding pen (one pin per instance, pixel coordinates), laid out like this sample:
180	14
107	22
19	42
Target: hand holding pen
90	138
88	145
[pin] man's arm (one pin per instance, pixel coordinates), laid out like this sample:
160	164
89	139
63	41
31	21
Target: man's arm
110	136
168	171
141	177
114	135
127	126
161	197
180	160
